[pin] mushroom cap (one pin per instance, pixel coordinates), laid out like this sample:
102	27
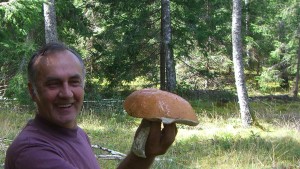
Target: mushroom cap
157	105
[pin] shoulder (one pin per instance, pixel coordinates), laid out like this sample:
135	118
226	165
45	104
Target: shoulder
29	137
27	146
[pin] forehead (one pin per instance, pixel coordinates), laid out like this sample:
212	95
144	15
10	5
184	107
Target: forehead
58	62
56	56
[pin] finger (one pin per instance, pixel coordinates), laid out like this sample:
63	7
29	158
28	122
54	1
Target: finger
171	126
169	133
155	133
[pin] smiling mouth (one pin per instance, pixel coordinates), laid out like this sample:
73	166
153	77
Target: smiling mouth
65	105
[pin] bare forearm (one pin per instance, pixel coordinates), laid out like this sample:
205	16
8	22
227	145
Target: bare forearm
134	162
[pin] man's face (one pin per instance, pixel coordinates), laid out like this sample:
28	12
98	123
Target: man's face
59	88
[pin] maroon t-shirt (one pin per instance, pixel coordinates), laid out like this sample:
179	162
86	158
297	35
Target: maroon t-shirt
42	145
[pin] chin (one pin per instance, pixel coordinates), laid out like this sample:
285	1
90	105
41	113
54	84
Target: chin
67	123
67	118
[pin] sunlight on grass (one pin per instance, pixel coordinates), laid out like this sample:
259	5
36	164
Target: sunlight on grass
218	142
91	122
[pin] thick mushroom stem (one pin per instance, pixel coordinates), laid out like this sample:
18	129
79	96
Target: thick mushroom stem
139	142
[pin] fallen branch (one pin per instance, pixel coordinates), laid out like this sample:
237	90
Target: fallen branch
113	152
110	157
115	155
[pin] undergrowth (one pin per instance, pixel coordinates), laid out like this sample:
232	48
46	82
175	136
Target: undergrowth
217	142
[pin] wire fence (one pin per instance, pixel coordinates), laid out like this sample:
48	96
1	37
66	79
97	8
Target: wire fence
103	105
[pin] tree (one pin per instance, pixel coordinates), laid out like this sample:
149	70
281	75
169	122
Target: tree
120	41
201	43
125	42
247	31
20	35
238	63
290	15
296	87
167	58
19	32
50	21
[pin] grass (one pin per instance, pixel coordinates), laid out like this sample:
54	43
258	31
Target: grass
217	142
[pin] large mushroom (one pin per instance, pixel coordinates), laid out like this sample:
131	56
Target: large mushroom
157	105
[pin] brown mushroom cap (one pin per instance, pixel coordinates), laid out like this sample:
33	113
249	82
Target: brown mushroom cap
154	104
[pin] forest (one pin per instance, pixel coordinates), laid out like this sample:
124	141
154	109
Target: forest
120	43
235	59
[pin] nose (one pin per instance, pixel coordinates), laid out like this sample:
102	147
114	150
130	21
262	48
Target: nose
66	91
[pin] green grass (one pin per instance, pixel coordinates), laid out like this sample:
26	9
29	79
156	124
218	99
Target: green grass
218	142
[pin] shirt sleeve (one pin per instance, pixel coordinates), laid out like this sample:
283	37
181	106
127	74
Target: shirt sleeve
40	157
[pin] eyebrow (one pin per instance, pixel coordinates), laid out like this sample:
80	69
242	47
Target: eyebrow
51	78
77	76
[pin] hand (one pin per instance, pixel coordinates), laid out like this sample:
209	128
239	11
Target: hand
159	140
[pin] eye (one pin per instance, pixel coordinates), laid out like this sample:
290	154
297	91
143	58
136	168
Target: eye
52	84
75	82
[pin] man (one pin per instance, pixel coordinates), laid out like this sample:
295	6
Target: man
52	140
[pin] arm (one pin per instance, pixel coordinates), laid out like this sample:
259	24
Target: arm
157	143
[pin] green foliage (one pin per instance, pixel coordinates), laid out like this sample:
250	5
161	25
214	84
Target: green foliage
123	50
120	41
18	90
20	18
22	31
269	79
72	26
19	31
13	70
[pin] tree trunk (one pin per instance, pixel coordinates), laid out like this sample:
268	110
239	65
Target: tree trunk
166	48
284	83
247	32
238	63
50	21
247	18
295	92
162	63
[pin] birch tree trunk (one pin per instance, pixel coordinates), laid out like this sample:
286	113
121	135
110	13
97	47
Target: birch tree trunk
50	21
166	48
247	31
238	64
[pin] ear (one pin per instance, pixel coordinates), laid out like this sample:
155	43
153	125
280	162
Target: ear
31	91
